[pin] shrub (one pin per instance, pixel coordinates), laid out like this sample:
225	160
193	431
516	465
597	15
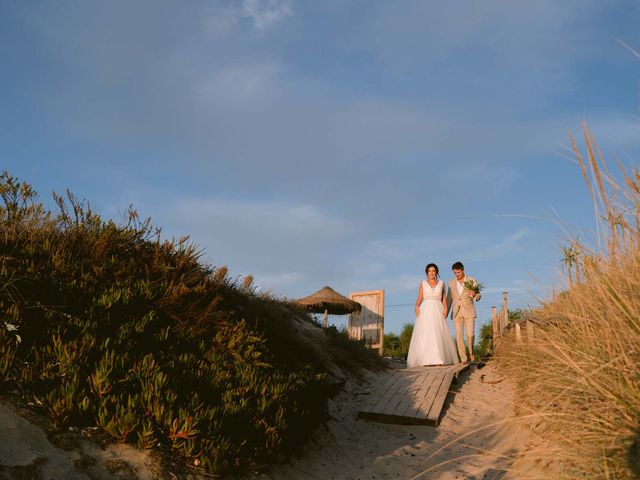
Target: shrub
391	344
109	325
483	348
398	345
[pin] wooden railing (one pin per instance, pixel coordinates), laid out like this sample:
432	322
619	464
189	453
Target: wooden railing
500	319
500	322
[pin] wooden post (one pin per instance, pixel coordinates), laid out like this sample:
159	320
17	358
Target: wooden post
529	326
505	312
496	327
518	333
326	319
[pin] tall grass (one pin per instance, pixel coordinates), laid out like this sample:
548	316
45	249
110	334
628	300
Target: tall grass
581	372
109	325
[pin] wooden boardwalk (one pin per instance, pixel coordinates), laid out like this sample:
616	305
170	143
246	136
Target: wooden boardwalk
410	396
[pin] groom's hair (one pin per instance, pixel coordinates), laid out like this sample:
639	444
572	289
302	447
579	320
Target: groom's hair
457	266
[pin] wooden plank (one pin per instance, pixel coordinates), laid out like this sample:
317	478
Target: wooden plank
418	398
405	389
376	391
407	402
423	391
445	386
415	396
459	367
400	384
398	394
395	419
433	415
384	397
393	416
429	396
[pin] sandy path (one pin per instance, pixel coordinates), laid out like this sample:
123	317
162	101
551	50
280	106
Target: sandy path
473	440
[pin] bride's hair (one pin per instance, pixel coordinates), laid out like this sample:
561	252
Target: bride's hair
426	270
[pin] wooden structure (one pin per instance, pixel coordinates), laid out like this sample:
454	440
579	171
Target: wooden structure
501	323
412	396
500	320
368	323
527	322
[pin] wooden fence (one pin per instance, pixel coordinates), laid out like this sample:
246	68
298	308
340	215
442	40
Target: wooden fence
502	325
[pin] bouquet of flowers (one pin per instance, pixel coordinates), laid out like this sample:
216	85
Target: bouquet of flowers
473	286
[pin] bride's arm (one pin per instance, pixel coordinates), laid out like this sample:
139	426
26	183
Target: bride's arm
445	303
419	300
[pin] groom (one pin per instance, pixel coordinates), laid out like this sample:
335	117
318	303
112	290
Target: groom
463	312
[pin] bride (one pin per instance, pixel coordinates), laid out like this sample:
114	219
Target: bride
431	341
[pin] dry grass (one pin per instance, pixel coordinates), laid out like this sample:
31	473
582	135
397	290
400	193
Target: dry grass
582	366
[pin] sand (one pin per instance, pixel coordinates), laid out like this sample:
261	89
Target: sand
27	451
476	439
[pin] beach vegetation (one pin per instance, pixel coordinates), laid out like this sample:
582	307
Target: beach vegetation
578	379
109	324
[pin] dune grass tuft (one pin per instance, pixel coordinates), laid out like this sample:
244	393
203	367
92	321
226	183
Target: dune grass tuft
582	367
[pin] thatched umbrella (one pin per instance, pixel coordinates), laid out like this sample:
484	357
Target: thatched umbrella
329	301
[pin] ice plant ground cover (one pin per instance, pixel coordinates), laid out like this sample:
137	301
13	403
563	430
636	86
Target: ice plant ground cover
109	325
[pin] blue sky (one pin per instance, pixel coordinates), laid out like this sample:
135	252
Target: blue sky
344	143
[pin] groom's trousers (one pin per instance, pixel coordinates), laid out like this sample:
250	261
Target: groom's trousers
464	325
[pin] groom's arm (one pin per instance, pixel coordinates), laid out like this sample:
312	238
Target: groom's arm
449	299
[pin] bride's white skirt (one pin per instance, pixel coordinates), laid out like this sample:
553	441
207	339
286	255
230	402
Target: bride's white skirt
431	341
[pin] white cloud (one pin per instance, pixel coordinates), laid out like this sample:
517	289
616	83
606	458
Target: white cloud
263	15
220	20
266	13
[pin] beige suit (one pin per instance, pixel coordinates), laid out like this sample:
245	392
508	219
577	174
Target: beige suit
463	313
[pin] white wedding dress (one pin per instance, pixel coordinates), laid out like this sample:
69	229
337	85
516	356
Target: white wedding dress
431	341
